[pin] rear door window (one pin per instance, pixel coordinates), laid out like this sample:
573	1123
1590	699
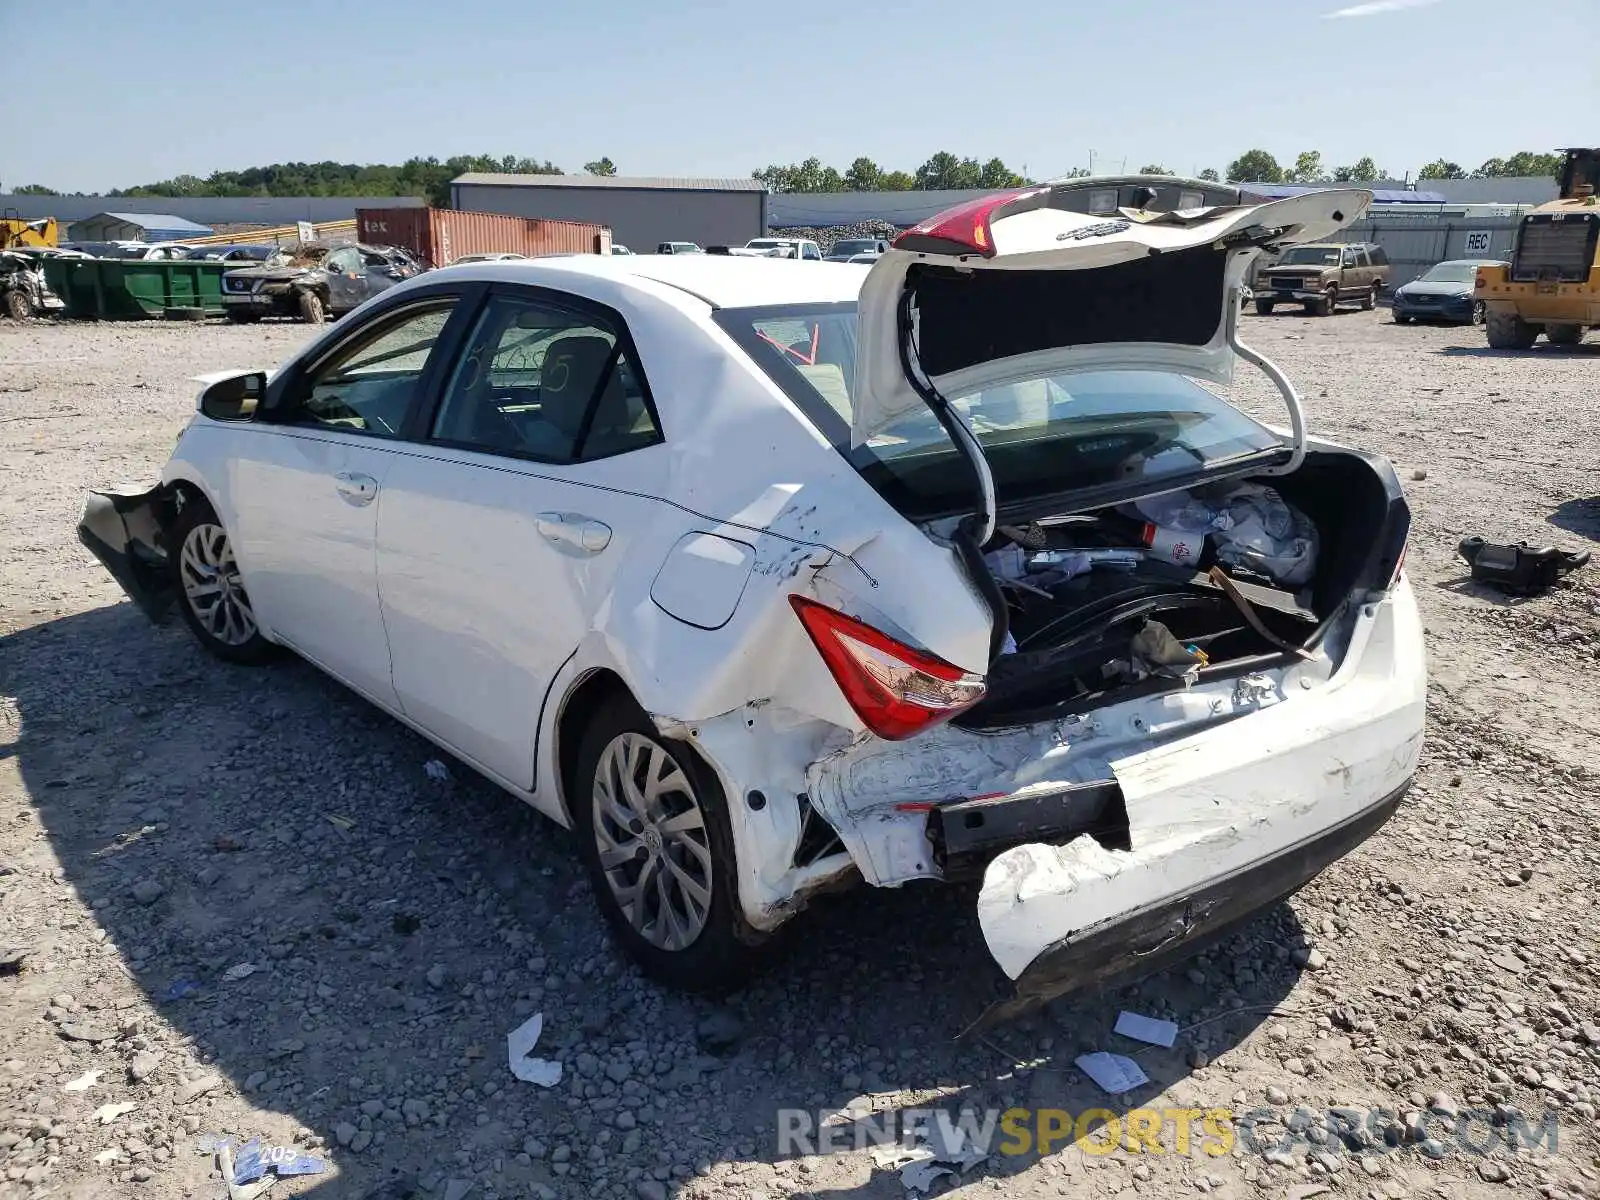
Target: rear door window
539	380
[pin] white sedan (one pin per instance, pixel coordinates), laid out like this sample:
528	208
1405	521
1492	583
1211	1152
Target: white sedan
765	581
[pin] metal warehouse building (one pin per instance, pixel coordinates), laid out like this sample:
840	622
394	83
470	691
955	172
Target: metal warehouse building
642	212
134	227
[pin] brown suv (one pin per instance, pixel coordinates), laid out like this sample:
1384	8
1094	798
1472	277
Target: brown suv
1323	275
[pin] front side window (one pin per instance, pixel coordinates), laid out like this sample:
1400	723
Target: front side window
541	381
344	262
1041	436
371	383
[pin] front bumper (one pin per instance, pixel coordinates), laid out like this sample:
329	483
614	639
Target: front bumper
1454	309
125	531
261	304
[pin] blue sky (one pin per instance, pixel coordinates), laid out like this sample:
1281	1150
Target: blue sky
107	93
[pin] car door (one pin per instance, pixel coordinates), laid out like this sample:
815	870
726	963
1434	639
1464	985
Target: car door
1350	281
346	279
499	545
308	489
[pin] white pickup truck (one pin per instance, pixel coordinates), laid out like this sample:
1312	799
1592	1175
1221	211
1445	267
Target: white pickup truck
782	247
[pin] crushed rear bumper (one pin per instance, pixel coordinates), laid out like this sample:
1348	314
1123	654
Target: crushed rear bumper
1143	941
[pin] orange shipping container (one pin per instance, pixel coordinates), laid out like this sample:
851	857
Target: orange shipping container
439	236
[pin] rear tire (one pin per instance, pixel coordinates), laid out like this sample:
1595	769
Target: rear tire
1508	331
1369	301
1265	307
312	310
211	594
1564	335
18	306
650	816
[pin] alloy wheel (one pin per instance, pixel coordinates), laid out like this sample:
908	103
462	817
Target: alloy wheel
654	847
212	587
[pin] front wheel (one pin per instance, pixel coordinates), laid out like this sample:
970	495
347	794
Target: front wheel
1329	302
1265	307
311	308
654	833
1401	318
1478	311
18	306
211	593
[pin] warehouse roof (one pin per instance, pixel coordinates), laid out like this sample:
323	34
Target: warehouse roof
642	182
155	221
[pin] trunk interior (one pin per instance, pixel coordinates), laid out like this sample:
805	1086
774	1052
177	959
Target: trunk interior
1101	635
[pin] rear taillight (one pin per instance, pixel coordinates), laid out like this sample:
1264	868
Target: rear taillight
964	229
897	692
1399	566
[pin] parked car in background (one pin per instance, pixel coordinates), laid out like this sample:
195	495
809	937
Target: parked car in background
343	280
93	249
678	248
1444	292
23	290
483	505
246	252
786	247
155	251
1324	276
619	248
857	250
505	256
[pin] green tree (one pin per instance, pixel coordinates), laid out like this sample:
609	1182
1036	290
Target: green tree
1210	174
1493	169
945	170
35	189
1307	168
1255	166
897	181
1364	171
995	174
864	175
1154	169
1526	162
807	176
601	166
1441	168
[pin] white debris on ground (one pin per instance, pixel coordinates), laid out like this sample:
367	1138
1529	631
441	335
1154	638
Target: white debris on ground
163	820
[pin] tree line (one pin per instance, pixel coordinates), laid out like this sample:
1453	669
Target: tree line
430	177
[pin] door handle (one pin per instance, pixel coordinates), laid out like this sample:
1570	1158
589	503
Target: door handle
357	489
575	530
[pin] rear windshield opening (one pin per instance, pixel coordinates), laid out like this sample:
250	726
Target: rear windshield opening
1042	437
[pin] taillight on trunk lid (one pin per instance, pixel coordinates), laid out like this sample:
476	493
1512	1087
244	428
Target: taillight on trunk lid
897	692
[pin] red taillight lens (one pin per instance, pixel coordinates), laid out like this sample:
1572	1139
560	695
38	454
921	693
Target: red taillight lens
896	691
964	229
1399	564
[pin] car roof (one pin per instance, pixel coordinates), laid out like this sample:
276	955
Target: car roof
721	281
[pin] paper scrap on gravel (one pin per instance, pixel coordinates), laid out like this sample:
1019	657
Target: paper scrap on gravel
1113	1073
519	1047
1146	1029
108	1113
83	1082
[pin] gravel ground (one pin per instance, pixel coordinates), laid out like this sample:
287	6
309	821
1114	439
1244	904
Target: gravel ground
247	909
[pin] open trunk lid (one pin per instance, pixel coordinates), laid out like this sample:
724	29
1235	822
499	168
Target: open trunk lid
1011	288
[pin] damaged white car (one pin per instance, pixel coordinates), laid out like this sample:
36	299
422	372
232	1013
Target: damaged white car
767	581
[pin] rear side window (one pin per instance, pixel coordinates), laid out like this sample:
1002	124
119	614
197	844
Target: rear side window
1379	258
544	382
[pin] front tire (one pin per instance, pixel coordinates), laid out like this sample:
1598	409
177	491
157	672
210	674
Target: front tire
1564	335
1508	331
312	310
1401	318
211	594
1265	307
653	830
18	306
1329	302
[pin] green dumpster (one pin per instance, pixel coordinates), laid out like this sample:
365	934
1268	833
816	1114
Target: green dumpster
117	289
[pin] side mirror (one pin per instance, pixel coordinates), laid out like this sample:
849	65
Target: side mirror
234	398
